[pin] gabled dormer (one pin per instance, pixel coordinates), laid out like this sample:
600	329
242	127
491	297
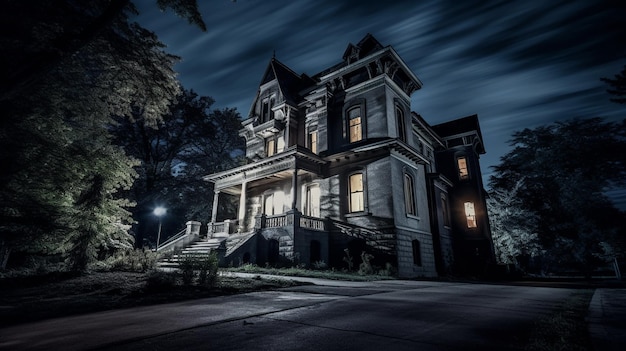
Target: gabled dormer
271	126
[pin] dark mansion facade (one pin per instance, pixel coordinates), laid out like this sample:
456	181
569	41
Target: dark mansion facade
339	165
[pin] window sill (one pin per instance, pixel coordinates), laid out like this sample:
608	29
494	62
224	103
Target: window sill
357	214
413	217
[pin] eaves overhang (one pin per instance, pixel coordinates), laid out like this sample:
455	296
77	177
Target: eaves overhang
387	144
295	156
367	59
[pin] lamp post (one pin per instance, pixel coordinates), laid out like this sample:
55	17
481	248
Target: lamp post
159	212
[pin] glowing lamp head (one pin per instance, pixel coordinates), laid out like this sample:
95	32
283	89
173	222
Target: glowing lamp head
159	211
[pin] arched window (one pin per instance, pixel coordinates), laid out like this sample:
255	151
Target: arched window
417	252
400	124
409	195
266	109
470	214
356	198
355	127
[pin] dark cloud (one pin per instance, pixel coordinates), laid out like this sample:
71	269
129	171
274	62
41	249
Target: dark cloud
517	64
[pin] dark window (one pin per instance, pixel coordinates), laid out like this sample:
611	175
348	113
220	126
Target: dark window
266	109
445	211
409	195
417	253
400	124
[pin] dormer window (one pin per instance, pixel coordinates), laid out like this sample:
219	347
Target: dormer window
267	113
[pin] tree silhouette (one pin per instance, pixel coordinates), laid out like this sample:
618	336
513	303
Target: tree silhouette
617	86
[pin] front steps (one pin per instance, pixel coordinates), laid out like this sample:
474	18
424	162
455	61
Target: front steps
198	248
203	247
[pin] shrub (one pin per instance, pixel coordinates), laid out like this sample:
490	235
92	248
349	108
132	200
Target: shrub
365	268
205	265
388	271
187	265
320	265
160	280
208	270
137	260
348	259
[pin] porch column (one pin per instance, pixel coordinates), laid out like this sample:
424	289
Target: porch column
294	187
242	204
216	198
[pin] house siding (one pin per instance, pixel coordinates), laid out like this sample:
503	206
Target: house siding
374	78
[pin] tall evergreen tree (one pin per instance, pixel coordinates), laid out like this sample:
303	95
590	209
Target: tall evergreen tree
67	67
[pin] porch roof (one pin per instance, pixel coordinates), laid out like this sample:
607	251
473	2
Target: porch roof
272	166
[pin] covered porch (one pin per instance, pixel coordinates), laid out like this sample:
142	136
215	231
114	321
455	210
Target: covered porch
269	192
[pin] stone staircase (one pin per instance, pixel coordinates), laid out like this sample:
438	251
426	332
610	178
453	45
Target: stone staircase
203	247
198	248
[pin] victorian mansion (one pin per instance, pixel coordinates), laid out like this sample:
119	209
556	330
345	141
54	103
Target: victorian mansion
338	165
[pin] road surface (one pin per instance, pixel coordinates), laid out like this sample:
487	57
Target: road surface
383	315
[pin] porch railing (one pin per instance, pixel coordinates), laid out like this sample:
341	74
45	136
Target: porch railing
275	221
229	226
312	223
181	239
294	219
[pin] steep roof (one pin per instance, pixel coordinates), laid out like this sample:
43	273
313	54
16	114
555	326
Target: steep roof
364	47
459	126
289	82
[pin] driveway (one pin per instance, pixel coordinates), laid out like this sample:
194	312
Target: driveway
392	315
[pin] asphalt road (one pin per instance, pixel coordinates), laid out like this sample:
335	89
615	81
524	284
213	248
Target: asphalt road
384	315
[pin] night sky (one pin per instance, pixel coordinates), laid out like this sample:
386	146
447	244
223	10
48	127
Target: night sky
516	64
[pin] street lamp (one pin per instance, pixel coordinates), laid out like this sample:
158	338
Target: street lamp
159	212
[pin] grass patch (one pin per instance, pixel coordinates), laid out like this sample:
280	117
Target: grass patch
32	298
384	274
565	328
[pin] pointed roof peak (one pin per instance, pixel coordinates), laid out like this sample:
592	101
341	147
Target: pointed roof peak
364	47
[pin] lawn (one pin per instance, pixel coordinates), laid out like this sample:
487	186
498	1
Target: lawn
32	298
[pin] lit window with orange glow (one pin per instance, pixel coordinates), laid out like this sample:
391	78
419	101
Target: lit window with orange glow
462	165
355	187
356	131
470	214
270	147
312	141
